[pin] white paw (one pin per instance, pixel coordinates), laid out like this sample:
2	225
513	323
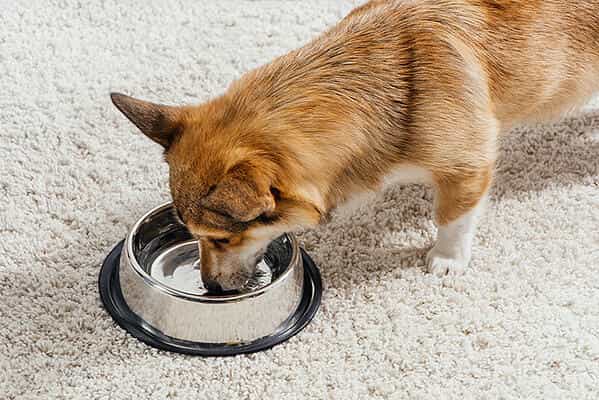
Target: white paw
441	265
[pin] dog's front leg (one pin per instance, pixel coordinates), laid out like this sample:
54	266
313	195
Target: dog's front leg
460	199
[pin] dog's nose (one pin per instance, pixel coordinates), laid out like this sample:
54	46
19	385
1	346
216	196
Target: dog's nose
213	286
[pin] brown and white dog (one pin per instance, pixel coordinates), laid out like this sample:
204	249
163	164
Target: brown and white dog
405	90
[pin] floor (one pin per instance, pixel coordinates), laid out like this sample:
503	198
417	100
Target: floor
523	322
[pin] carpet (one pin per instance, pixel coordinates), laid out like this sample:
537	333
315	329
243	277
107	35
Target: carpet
523	322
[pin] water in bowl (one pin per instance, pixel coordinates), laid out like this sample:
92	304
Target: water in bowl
179	268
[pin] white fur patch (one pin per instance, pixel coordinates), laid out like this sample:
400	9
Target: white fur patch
404	174
452	251
312	194
407	173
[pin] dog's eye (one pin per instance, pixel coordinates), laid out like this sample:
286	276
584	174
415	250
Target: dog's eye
267	218
276	193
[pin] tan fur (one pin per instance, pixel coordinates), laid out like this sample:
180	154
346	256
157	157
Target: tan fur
426	83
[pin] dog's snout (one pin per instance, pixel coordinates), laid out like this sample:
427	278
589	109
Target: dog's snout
213	286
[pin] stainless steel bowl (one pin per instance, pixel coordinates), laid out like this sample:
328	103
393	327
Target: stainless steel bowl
151	285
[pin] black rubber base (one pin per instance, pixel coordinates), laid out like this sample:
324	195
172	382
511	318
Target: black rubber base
112	298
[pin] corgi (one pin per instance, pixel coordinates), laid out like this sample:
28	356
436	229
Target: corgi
397	91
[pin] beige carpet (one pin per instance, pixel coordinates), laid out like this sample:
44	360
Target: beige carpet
74	175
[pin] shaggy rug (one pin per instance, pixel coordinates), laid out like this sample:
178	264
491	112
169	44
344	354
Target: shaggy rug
523	322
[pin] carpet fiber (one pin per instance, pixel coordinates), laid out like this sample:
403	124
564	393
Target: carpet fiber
75	175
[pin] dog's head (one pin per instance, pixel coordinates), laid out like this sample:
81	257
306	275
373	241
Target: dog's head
231	186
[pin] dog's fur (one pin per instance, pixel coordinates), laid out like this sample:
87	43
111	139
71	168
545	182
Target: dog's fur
397	90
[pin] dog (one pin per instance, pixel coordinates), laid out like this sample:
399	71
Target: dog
397	91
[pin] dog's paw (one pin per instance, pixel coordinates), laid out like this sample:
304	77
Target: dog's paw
441	265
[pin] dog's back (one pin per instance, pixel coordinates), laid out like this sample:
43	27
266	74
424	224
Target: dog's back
541	57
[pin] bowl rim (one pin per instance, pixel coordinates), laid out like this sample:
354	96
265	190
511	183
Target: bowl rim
151	281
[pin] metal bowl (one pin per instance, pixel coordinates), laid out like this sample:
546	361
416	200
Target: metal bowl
151	285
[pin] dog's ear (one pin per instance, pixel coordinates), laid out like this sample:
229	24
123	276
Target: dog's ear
158	122
243	194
